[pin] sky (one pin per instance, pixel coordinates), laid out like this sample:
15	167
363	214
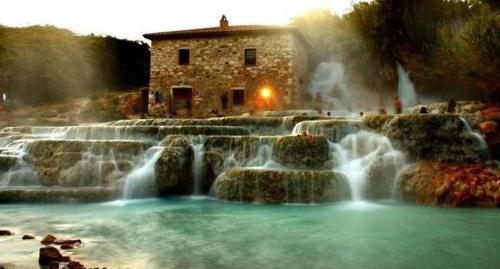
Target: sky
132	18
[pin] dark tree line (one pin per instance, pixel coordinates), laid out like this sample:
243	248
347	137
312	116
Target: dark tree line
43	64
449	47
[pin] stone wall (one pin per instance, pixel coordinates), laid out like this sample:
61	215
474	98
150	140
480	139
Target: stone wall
217	66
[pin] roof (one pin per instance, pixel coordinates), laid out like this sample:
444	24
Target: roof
227	31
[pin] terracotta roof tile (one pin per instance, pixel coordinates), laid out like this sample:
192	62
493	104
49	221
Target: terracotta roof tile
224	31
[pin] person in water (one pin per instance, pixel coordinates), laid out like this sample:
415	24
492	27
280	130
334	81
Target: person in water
397	105
451	106
423	110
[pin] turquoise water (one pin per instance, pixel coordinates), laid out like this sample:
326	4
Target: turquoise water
202	233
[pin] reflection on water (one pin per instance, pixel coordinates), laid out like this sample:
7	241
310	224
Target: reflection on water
196	232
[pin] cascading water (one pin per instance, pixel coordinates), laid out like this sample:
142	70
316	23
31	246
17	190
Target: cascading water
263	158
198	154
406	89
365	157
328	82
483	146
21	173
140	183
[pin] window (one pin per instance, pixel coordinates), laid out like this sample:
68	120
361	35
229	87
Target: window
250	56
183	56
238	97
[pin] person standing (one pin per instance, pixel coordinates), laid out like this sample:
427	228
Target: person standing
398	107
452	105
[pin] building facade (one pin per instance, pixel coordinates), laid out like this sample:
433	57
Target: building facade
229	69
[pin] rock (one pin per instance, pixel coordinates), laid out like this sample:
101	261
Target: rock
381	176
67	241
201	130
48	239
461	185
281	186
7	162
28	237
437	137
50	254
54	265
57	194
488	127
377	122
173	174
75	265
5	233
301	151
56	161
66	246
334	130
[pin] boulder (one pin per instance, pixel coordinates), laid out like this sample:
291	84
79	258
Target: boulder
65	247
76	162
461	185
54	265
7	162
48	239
5	233
50	254
301	151
75	265
173	171
437	137
377	123
67	241
281	186
381	176
28	237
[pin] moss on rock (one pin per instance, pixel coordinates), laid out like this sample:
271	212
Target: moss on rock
281	186
301	151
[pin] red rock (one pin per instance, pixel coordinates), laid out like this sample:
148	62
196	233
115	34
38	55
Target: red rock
54	265
49	254
66	246
67	241
48	239
5	233
28	237
75	265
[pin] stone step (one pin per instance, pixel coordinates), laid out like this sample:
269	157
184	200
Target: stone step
281	186
56	195
334	130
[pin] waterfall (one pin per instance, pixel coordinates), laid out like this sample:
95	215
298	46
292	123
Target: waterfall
406	89
328	82
370	164
333	130
264	157
21	173
198	153
140	183
483	146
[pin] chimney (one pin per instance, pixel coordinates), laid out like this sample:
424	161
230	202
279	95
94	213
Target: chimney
224	23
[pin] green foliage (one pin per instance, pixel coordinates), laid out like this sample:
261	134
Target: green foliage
41	64
449	47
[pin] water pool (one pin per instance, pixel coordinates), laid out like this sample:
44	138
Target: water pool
202	233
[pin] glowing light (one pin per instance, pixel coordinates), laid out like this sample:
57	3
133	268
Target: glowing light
265	92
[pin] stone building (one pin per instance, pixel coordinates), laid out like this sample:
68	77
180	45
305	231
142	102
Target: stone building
229	69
